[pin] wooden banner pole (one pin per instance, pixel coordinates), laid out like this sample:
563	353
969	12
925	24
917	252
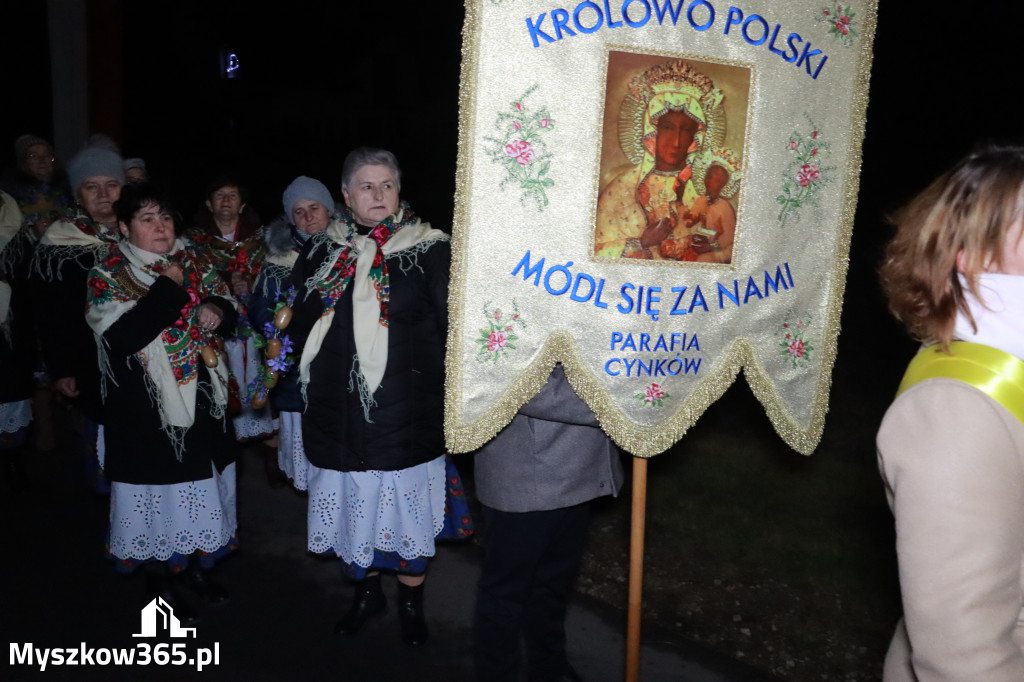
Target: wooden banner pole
636	568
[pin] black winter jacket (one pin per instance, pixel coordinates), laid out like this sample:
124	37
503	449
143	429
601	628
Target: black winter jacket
406	424
137	449
68	344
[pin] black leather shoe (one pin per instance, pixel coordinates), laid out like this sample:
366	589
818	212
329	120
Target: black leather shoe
205	587
410	614
17	475
368	602
166	587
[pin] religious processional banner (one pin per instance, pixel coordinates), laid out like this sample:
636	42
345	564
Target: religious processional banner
656	193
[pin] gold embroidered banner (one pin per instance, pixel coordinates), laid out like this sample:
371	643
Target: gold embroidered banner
656	193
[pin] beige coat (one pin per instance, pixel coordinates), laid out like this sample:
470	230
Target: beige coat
953	464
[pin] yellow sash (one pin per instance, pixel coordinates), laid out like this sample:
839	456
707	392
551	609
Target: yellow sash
994	372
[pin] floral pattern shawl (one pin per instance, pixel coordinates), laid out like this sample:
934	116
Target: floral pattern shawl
171	360
69	238
361	261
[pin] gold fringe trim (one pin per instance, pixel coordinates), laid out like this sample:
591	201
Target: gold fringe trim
637	439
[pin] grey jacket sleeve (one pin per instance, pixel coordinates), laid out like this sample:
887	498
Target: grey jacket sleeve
557	402
552	455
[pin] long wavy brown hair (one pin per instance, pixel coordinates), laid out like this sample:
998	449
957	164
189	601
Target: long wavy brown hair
957	226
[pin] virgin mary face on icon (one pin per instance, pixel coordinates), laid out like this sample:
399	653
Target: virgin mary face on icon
676	132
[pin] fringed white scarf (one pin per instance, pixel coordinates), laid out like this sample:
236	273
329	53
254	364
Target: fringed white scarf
66	239
371	337
175	400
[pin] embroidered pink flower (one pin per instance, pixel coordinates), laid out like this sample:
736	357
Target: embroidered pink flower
521	151
843	28
807	174
814	152
792	144
515	124
545	122
519	106
814	135
796	348
496	341
497	314
653	392
508	328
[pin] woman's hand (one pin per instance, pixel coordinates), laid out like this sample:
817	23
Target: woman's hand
241	283
174	272
67	386
210	316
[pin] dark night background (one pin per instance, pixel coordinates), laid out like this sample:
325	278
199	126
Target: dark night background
318	78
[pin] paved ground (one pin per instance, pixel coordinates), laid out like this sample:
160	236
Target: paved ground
59	591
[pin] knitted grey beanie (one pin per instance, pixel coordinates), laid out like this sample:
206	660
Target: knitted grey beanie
23	143
93	161
303	187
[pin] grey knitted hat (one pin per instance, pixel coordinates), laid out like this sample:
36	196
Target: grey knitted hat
303	187
94	161
22	144
134	163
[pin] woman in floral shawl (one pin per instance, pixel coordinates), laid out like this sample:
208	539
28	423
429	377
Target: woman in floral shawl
68	249
308	209
228	232
371	315
155	308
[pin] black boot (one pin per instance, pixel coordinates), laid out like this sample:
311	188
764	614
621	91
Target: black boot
368	602
199	582
410	614
14	464
167	586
